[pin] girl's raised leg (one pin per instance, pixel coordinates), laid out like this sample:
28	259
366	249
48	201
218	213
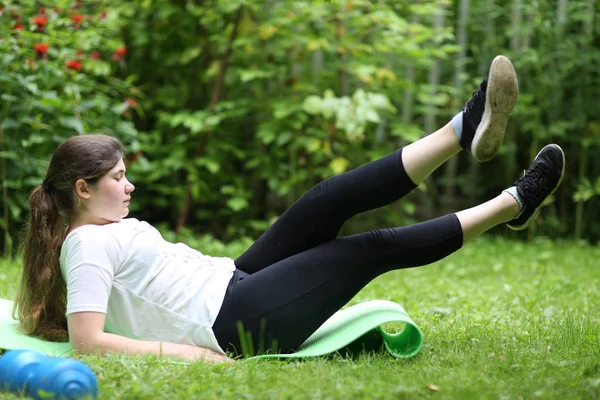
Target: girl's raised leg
318	215
287	301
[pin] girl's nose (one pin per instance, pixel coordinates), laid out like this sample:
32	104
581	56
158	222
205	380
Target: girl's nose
130	188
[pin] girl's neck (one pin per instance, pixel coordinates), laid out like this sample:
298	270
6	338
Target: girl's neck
80	221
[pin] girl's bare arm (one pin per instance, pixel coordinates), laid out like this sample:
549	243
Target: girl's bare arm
86	332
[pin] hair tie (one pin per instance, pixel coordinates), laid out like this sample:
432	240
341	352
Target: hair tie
47	186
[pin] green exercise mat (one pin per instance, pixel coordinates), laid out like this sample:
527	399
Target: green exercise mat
345	328
12	338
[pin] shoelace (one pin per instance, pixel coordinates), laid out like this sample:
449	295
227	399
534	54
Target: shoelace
534	184
478	97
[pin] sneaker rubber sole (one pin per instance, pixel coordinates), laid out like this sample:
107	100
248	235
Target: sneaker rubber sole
537	210
500	99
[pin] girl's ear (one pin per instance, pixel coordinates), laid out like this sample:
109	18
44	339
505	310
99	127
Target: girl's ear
82	189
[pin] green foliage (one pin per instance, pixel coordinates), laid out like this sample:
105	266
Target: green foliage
58	79
232	109
501	319
238	122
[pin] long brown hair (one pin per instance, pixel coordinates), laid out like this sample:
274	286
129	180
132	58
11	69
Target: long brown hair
42	297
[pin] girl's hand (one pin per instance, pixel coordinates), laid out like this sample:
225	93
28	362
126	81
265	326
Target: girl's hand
203	354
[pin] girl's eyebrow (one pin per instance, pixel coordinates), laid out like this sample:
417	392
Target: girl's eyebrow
120	171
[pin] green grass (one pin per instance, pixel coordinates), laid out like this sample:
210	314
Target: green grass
502	320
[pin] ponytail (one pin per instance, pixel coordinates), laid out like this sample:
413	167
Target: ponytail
42	297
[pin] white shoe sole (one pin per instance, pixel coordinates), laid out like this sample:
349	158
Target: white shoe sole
500	99
537	210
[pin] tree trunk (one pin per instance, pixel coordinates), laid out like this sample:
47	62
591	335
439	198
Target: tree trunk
561	13
517	16
409	94
434	81
487	54
579	207
5	215
451	168
339	34
216	94
489	41
589	24
318	59
583	157
561	19
434	73
381	132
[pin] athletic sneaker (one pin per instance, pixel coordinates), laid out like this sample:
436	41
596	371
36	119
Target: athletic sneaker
540	181
486	114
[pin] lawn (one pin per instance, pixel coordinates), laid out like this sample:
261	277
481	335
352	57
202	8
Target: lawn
502	320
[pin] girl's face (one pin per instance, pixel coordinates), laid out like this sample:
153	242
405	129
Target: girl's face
110	196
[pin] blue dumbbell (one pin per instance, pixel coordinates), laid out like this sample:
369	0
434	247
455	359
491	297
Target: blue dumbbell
45	377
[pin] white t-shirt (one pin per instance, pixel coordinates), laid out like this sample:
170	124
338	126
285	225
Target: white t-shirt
149	289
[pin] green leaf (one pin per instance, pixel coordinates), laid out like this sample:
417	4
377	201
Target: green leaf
9	155
381	101
209	163
409	207
372	116
120	108
237	203
339	165
194	124
8	97
189	54
9	123
312	105
284	109
409	133
283	138
266	134
247	75
227	189
98	68
73	123
126	129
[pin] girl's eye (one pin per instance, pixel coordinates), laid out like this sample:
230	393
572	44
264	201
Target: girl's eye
117	179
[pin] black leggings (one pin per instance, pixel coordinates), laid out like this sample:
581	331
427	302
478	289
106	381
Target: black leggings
297	274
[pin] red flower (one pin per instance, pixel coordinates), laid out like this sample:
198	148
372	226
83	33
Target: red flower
41	49
103	15
119	53
18	27
77	20
133	157
74	64
131	102
96	55
41	22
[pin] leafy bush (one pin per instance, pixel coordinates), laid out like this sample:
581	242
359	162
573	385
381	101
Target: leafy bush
59	78
230	110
